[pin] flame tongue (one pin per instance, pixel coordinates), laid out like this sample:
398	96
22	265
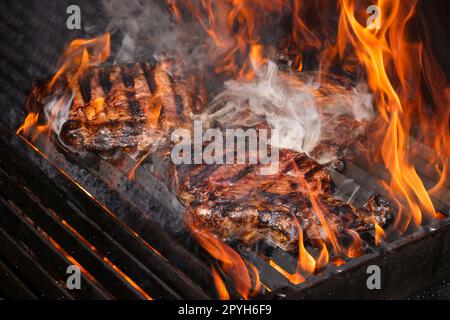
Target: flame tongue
78	57
232	265
394	87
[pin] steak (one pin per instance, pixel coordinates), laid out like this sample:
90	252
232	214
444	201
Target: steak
235	202
132	109
126	109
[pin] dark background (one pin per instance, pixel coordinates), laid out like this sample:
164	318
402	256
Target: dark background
33	35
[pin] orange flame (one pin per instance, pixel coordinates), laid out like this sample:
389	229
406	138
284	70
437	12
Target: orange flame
328	226
31	121
394	67
220	285
235	28
355	249
295	278
78	57
82	54
306	264
337	261
232	265
323	258
379	234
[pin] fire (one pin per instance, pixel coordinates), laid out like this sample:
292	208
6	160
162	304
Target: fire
394	67
78	57
328	226
257	60
379	234
220	285
355	249
337	261
306	263
220	19
235	28
323	258
232	264
295	278
31	121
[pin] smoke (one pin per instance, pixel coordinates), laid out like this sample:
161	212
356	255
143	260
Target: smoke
294	105
297	108
267	98
150	31
56	111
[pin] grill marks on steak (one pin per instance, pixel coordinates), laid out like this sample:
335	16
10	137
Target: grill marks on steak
237	202
121	109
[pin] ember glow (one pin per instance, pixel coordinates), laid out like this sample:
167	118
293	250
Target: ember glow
394	68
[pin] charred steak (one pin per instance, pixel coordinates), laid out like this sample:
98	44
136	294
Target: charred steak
236	202
123	109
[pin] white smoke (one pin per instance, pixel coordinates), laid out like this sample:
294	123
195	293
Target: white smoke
289	104
56	111
149	30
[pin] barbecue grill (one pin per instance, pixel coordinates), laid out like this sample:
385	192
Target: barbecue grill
128	236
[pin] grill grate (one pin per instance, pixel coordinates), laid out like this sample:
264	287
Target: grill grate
49	221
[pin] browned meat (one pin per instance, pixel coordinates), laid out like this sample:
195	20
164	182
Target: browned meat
122	109
270	217
236	202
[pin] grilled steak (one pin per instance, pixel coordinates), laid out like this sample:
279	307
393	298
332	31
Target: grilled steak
130	109
236	202
125	109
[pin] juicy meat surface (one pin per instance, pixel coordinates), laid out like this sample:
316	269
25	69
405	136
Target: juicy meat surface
236	202
124	109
